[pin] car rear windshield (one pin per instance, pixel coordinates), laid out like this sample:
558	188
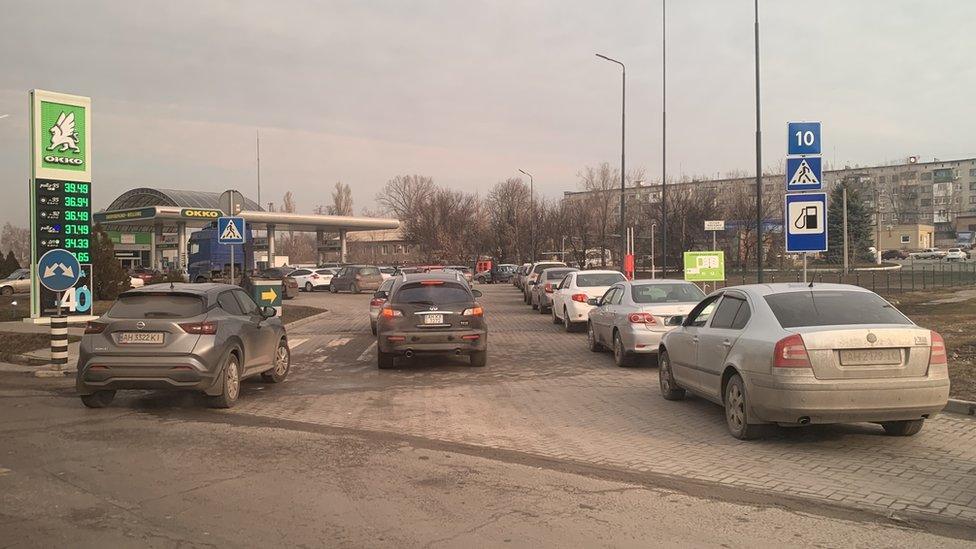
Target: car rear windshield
432	293
666	293
157	306
829	308
598	279
367	271
543	266
557	273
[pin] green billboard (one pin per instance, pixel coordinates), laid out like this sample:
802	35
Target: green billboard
704	266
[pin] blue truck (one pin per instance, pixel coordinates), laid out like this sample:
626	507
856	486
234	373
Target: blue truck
210	260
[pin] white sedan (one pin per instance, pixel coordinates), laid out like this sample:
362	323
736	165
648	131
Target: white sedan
310	280
569	299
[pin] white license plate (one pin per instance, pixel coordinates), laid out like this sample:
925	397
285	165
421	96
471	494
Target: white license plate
860	357
433	319
141	338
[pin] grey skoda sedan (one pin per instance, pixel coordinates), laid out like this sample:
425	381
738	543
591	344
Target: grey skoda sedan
197	337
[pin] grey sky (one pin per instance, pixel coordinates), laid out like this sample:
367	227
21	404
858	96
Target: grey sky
467	92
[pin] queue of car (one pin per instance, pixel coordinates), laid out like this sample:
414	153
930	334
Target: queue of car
770	354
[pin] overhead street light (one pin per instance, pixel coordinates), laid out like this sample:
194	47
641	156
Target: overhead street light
623	137
532	202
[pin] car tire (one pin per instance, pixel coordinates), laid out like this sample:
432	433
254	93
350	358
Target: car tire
281	364
372	327
591	339
355	288
384	361
737	410
905	428
333	289
669	387
555	319
479	358
620	356
98	399
200	280
230	383
7	290
309	287
543	310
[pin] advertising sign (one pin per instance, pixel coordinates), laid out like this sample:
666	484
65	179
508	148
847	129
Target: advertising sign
704	266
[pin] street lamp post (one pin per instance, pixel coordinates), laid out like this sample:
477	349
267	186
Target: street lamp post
653	226
532	207
759	245
664	140
623	151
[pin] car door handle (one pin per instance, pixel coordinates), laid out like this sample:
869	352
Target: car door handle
694	339
727	343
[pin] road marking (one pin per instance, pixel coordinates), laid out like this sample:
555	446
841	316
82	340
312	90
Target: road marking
3	471
339	341
367	353
295	342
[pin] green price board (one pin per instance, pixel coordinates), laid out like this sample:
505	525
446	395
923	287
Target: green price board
704	266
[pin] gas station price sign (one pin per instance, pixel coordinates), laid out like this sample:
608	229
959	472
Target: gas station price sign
63	217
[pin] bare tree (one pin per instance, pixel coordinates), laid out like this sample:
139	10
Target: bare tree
17	240
341	200
507	211
403	195
288	203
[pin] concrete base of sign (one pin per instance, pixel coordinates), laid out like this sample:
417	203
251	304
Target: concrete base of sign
53	373
80	319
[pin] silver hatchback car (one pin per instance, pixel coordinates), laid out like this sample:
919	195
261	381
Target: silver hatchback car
199	337
797	354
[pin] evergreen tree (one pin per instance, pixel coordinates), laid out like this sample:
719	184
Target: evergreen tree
9	264
859	235
110	279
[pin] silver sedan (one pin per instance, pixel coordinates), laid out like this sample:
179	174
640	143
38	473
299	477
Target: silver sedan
797	354
633	315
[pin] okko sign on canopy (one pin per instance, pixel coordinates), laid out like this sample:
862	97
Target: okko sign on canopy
60	195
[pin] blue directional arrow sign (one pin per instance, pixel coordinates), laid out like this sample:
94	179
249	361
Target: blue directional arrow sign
803	138
804	174
806	222
230	230
58	270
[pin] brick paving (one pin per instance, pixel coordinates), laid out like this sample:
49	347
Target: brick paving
545	394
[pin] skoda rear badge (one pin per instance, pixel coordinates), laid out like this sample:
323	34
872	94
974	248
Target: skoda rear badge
872	338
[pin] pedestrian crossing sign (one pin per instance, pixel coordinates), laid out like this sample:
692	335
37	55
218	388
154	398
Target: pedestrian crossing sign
230	230
804	173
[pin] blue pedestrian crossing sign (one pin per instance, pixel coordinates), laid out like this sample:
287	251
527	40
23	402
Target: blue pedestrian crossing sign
803	138
806	222
58	270
804	174
230	230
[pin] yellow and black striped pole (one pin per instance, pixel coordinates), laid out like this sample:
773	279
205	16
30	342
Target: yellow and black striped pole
59	341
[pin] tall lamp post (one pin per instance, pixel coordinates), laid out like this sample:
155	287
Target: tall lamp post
759	249
532	214
664	142
623	151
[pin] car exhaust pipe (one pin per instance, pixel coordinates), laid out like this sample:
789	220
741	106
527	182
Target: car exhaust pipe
457	351
408	353
803	420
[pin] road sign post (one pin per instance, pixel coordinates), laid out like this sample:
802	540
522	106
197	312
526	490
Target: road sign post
59	270
704	266
715	226
230	230
804	212
267	293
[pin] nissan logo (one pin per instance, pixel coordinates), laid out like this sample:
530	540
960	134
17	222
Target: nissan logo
140	325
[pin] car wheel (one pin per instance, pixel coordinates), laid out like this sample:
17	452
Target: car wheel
591	339
282	363
384	361
479	358
620	357
567	323
535	306
736	410
98	399
231	383
542	309
355	288
555	319
333	289
309	287
372	327
201	280
669	388
905	428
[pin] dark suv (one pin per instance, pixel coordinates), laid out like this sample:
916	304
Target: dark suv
431	313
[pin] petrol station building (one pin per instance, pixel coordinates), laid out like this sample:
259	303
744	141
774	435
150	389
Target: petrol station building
151	226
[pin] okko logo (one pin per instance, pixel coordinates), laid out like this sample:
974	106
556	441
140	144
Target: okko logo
65	145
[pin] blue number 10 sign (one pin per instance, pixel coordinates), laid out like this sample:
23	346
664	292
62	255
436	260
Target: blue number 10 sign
803	138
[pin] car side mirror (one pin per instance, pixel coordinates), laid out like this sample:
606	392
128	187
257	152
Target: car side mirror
268	312
476	293
676	320
595	301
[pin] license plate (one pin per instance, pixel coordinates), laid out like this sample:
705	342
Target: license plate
141	338
433	319
861	357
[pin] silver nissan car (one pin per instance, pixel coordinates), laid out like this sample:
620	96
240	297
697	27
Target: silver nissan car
798	354
197	337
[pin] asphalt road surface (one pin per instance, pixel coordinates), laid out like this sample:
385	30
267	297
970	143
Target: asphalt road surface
549	445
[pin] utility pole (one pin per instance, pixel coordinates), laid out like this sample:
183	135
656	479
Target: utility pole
258	138
846	269
623	154
877	226
759	246
664	142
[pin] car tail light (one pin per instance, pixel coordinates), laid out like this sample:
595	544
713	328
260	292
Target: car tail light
470	337
377	302
98	327
790	352
200	328
474	311
548	287
390	312
641	318
431	282
582	298
937	356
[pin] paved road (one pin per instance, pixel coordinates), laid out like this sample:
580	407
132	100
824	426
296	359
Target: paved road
548	445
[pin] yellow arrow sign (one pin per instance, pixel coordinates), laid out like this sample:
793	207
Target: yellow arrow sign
269	295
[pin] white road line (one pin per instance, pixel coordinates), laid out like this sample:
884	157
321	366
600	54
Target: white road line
367	353
295	342
339	341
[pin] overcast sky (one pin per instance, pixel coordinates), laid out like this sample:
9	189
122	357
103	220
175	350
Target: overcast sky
468	92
